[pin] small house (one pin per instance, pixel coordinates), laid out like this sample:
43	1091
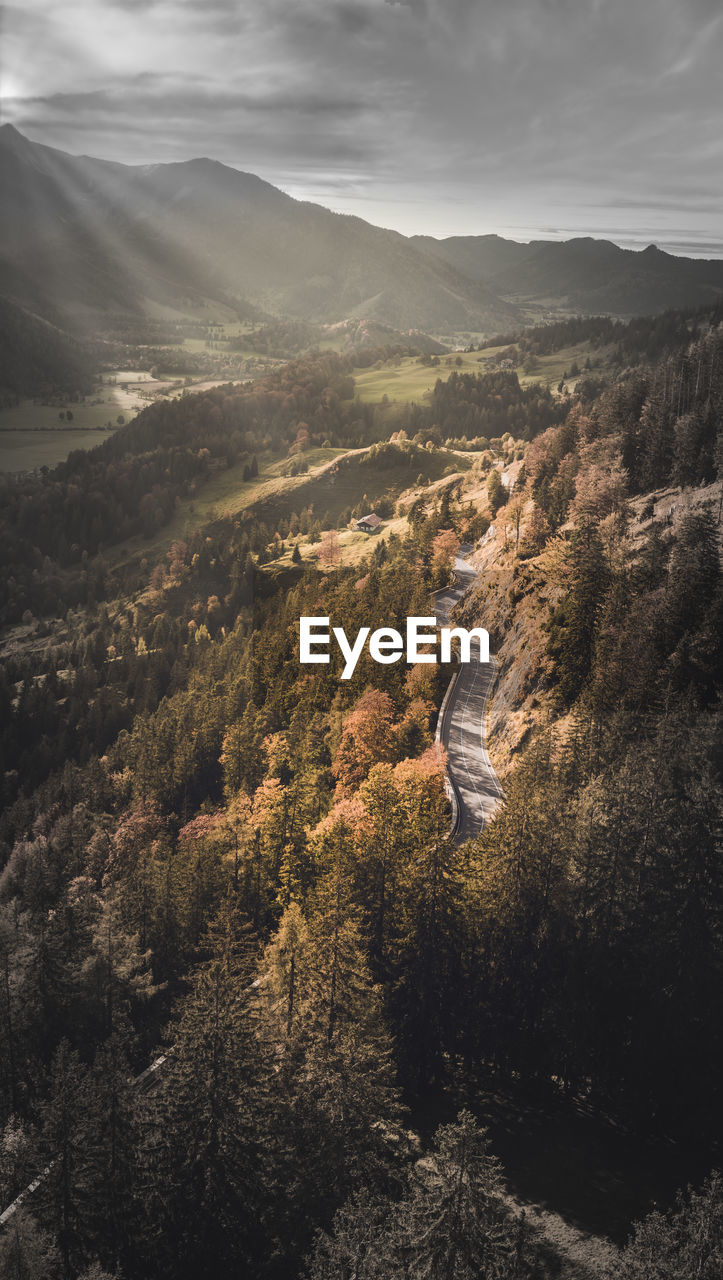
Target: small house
369	524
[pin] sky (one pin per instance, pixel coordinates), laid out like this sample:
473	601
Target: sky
529	118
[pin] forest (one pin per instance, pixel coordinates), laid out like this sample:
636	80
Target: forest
238	870
642	338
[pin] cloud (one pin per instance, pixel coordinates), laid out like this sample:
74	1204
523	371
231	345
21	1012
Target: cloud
507	110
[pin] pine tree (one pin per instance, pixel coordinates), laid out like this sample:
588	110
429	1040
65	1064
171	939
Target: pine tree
64	1156
426	960
517	890
686	1242
359	1244
201	1161
379	856
340	1113
573	623
454	1224
27	1252
496	492
112	1219
116	973
284	972
451	1223
693	576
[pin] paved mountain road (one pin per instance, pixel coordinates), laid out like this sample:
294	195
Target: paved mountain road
461	724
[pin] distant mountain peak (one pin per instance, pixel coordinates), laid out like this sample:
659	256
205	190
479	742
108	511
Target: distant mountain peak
204	162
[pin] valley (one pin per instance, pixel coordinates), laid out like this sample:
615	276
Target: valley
215	855
197	308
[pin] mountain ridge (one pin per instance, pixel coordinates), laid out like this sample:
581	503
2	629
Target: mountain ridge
166	230
588	274
84	237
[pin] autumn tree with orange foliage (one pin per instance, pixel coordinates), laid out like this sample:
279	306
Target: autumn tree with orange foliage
329	551
413	731
444	550
367	739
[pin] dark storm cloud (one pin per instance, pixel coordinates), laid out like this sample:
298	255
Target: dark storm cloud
447	115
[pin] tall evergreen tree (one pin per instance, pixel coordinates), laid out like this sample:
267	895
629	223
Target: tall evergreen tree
201	1164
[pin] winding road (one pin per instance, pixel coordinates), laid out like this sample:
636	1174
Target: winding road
475	790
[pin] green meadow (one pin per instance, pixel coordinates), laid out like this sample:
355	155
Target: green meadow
28	450
34	435
407	379
225	491
331	492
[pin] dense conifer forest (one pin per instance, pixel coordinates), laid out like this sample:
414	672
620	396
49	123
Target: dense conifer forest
240	870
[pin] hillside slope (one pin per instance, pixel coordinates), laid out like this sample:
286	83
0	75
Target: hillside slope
36	357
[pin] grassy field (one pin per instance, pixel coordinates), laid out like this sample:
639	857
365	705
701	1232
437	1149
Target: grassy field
274	495
355	547
330	493
410	380
34	435
28	416
551	368
27	450
202	310
224	491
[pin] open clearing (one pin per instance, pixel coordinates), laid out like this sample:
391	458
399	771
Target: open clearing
407	379
224	491
354	547
34	435
331	492
274	495
28	450
90	416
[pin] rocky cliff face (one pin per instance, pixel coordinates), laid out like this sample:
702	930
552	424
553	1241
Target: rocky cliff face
512	598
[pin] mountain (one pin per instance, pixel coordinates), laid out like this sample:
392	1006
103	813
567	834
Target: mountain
583	275
479	257
82	237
